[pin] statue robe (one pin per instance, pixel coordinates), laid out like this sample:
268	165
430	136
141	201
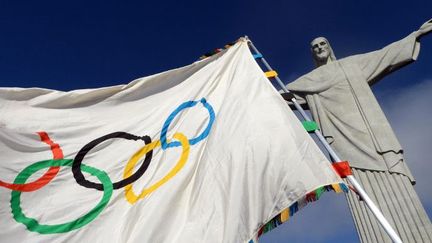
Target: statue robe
350	118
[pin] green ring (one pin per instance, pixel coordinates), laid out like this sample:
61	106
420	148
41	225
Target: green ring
33	224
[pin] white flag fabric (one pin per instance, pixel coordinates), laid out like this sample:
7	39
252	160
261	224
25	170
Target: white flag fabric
205	153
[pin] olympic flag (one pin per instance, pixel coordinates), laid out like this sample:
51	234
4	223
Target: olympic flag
205	153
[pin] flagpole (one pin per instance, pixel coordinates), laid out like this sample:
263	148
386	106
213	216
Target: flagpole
371	205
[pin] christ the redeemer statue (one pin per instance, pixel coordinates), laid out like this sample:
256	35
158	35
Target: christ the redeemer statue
350	118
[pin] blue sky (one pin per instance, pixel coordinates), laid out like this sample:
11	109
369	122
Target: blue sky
90	44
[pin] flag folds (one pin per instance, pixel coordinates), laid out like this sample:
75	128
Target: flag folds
209	152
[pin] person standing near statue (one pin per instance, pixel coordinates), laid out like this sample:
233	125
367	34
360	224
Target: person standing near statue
350	118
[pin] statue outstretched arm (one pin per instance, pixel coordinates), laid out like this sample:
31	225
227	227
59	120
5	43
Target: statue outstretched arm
425	29
377	64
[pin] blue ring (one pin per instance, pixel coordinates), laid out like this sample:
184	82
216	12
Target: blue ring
185	105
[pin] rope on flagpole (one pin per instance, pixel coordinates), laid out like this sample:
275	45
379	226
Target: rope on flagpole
371	205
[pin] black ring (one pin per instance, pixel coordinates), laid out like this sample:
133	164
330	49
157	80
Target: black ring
76	166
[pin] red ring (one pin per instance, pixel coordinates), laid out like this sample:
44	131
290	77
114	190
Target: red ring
45	178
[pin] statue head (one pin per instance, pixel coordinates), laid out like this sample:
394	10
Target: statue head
322	52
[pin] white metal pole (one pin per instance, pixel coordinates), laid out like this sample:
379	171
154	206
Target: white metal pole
371	205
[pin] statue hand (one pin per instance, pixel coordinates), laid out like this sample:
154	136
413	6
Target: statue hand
426	28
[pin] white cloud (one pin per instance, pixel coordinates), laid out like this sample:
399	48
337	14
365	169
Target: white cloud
409	112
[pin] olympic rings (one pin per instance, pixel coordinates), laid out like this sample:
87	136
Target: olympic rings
171	117
79	177
33	224
131	197
106	185
45	178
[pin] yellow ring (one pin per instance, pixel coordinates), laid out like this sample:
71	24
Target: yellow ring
131	197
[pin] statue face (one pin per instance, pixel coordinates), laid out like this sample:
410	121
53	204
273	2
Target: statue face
320	49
